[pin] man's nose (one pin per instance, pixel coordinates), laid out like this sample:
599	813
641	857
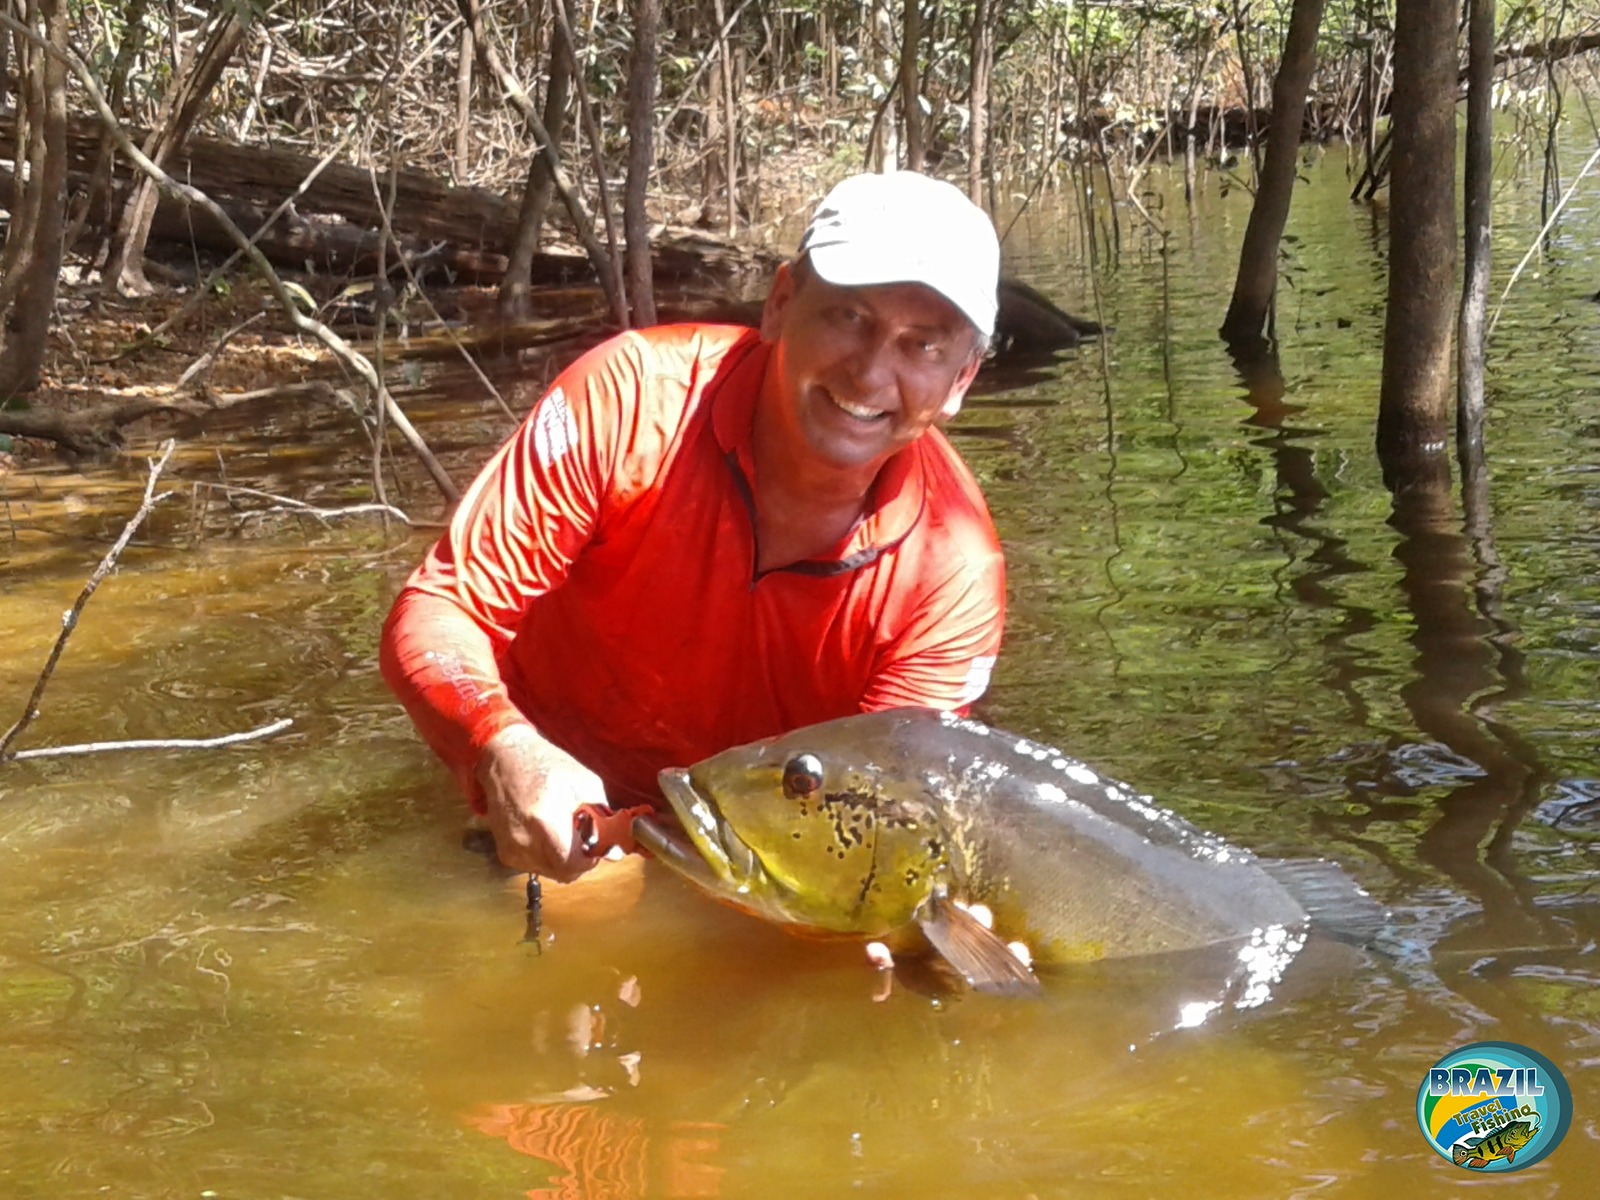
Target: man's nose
871	364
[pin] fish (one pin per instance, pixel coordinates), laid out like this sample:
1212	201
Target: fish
899	825
1503	1143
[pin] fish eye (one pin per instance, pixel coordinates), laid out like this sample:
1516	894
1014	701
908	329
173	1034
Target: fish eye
802	775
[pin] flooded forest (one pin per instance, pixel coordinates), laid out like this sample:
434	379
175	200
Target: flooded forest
1290	429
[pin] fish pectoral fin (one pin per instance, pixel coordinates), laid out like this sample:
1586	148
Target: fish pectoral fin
976	952
1511	1157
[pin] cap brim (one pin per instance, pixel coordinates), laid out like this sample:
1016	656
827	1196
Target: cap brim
844	265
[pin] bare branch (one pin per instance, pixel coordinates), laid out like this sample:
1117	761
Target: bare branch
1539	240
604	267
181	191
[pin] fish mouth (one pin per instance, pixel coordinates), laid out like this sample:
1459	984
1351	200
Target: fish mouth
676	851
716	859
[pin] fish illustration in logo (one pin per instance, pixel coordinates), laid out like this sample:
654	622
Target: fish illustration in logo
1503	1143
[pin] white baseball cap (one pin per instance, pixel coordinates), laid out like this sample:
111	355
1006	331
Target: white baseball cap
907	228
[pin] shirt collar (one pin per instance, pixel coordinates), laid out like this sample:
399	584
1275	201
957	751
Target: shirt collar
898	493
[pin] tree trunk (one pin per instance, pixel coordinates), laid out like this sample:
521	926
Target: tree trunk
730	120
1478	183
197	75
1414	401
911	85
978	100
5	69
641	127
541	184
883	151
22	203
116	90
464	106
25	323
606	270
1257	281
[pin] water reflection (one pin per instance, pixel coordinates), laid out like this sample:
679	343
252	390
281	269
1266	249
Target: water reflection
1298	500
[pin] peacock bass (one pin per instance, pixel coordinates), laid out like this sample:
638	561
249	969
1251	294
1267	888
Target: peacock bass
892	824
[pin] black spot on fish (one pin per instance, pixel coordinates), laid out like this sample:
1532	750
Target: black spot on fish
852	815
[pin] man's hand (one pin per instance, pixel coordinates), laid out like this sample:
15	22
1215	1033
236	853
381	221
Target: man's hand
533	789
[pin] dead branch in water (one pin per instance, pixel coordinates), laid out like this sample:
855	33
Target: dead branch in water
69	619
227	739
288	504
69	622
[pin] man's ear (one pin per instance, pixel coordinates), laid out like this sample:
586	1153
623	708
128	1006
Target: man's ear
778	297
958	389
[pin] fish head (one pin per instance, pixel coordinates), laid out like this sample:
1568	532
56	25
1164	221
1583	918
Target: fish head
808	831
1519	1133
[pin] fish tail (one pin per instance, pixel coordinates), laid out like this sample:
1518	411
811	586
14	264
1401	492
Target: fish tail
1333	901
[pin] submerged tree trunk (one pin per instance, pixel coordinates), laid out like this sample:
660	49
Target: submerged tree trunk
641	125
518	281
1258	261
1475	284
1414	402
32	275
181	108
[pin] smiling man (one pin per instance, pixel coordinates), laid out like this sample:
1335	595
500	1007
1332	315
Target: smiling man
703	535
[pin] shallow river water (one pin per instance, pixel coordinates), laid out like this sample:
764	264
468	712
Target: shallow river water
272	970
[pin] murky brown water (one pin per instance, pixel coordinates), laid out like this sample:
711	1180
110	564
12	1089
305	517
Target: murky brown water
272	970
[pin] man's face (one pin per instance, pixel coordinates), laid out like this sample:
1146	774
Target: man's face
859	373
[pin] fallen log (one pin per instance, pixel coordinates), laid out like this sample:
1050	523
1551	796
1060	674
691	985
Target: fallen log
334	227
263	175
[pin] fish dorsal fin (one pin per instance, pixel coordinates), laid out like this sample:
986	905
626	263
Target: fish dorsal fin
981	957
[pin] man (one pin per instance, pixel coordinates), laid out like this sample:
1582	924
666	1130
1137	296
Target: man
704	535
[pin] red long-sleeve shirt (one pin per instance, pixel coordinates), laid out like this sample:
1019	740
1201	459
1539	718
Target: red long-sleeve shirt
599	579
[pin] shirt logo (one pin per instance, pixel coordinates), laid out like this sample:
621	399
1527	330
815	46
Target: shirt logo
554	430
977	681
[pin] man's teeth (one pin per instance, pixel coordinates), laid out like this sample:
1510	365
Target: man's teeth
862	411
